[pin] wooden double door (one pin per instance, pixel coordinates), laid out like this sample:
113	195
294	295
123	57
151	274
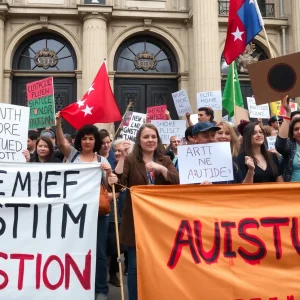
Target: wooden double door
145	93
65	93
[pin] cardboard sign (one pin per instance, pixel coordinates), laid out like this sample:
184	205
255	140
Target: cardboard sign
258	111
211	162
129	132
48	227
293	106
217	242
271	142
157	112
182	103
169	128
273	79
210	99
14	121
40	96
241	114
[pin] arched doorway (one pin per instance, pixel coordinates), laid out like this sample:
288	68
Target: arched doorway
146	74
45	55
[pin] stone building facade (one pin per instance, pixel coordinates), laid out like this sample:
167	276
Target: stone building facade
152	47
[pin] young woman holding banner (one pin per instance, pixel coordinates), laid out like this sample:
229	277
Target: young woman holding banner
254	149
86	146
147	164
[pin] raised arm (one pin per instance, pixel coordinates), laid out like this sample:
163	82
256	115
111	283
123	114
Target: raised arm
60	139
284	128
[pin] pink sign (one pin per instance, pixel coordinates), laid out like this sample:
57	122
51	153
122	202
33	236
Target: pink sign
39	89
293	106
157	112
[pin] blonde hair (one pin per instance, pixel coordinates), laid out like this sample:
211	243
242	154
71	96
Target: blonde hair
234	144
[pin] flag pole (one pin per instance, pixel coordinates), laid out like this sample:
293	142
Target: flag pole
118	241
233	90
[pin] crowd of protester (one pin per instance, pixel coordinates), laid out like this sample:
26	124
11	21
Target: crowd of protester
148	161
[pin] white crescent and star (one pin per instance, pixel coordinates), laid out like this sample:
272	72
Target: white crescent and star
80	103
91	89
87	110
237	34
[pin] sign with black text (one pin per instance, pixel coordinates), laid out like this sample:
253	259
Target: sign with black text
207	162
258	111
48	225
182	103
14	120
210	99
129	132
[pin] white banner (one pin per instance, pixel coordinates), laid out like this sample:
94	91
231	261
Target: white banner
182	103
258	111
48	225
129	132
169	128
14	122
211	162
210	99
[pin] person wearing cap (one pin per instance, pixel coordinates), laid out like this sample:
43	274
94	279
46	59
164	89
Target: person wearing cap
275	122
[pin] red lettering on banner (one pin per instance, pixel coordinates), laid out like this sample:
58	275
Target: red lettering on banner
45	276
2	273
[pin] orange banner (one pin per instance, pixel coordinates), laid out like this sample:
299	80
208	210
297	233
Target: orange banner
216	242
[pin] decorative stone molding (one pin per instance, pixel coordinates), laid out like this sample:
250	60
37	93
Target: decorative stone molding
44	21
147	24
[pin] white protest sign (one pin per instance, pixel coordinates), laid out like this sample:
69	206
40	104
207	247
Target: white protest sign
194	118
211	162
48	230
14	122
258	111
182	103
168	128
129	132
210	99
271	142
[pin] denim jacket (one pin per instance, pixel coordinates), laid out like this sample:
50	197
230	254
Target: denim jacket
287	149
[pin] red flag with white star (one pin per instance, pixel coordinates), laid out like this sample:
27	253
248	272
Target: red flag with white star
98	105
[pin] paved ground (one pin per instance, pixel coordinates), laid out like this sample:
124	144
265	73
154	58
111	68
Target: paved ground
115	293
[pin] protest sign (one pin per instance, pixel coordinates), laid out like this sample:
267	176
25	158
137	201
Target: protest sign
157	112
182	103
40	96
258	111
209	162
217	242
194	118
210	99
48	230
129	132
271	142
293	107
169	128
14	121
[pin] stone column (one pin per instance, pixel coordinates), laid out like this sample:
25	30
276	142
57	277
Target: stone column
206	47
94	47
2	23
296	25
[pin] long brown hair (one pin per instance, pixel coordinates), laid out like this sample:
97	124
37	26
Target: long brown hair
137	151
247	147
234	144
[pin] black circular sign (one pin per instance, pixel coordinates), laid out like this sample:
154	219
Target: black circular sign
282	78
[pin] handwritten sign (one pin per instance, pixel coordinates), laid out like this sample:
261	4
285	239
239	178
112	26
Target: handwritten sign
169	128
54	232
293	107
210	99
157	112
271	142
129	132
258	111
14	121
211	162
182	103
40	96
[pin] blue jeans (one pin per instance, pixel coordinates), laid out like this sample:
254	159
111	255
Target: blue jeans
101	286
132	274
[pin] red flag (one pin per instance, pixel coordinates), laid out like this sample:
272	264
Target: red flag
98	105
